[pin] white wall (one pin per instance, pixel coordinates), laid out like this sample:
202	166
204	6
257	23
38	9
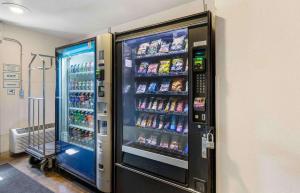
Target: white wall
13	110
258	92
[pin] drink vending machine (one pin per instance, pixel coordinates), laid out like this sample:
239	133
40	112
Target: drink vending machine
84	110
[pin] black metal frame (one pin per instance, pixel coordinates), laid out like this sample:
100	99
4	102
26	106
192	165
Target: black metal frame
117	103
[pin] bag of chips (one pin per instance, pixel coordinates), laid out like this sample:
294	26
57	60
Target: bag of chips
149	121
155	122
153	48
174	143
152	87
152	69
164	141
161	122
180	106
165	85
179	127
178	43
142	138
153	140
177	85
139	120
141	88
161	103
154	105
144	103
142	50
143	68
165	47
177	65
164	67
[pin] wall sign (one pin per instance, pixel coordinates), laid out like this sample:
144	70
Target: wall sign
11	68
11	91
11	84
11	75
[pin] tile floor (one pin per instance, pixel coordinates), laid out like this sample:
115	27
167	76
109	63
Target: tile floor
52	180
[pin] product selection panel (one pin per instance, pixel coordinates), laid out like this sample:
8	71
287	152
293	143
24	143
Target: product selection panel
200	85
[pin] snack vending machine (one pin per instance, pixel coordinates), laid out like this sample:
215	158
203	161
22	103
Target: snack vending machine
164	108
83	110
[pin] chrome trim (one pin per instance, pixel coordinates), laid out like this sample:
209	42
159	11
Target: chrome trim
156	178
155	156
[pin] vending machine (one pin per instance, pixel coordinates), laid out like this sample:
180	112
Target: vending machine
84	110
165	107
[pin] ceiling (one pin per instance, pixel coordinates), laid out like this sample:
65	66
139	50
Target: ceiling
73	18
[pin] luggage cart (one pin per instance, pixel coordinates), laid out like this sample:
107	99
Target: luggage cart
42	154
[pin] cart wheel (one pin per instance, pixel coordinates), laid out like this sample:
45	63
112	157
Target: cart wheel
43	166
33	161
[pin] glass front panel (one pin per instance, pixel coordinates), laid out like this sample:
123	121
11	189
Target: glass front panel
78	103
155	94
76	109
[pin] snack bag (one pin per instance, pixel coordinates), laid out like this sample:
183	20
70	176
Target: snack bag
150	103
153	48
179	127
177	85
144	103
173	105
143	68
139	120
178	43
152	87
152	68
140	101
164	142
161	122
177	65
155	122
161	104
167	107
167	125
154	105
165	85
143	48
180	106
149	121
144	121
141	88
165	47
173	123
186	108
174	143
164	67
142	138
153	140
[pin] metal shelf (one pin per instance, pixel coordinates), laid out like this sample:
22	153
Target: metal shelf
171	53
81	73
79	91
162	112
82	127
168	93
81	109
82	146
178	74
